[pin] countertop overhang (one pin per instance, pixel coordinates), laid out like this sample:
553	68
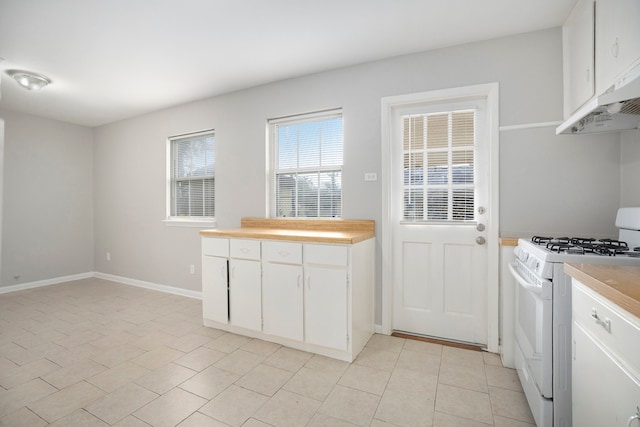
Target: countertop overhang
619	284
319	231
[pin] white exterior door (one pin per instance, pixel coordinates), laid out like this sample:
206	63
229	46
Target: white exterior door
440	218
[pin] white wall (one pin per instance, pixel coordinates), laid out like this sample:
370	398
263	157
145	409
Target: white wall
47	218
130	155
630	169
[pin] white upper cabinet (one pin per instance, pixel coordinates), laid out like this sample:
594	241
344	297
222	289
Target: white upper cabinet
578	53
617	40
601	42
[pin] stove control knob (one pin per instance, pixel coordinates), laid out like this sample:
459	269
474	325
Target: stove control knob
480	240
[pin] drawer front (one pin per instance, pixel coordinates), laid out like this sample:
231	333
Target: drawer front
284	252
245	249
326	254
215	246
614	327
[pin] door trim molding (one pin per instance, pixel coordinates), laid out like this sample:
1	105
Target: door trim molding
489	91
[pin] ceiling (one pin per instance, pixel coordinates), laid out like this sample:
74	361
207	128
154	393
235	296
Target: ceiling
114	59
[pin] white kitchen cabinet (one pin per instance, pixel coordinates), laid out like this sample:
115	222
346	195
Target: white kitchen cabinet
601	42
310	296
215	253
578	56
325	306
245	303
282	300
606	361
617	40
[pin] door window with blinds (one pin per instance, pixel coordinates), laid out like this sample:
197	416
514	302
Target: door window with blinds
306	165
192	176
439	172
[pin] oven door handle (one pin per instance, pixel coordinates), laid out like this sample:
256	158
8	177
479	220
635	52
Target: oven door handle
523	282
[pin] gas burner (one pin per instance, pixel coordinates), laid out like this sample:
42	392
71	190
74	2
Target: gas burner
559	246
540	240
633	253
582	240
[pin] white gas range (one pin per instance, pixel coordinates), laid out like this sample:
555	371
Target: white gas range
543	310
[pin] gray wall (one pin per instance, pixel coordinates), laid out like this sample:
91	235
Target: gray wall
51	235
130	155
47	221
630	169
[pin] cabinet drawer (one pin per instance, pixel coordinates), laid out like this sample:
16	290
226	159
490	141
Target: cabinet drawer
214	246
245	249
285	252
326	254
614	327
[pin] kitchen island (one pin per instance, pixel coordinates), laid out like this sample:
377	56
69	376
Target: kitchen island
306	284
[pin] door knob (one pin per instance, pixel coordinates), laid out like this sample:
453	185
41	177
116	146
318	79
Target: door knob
480	240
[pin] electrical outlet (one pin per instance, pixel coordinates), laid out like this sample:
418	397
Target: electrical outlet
370	176
108	256
192	269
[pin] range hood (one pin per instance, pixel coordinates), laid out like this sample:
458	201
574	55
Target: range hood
615	110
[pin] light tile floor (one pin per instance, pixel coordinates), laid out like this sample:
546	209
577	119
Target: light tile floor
98	353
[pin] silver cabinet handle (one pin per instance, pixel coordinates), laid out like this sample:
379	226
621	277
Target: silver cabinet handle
606	323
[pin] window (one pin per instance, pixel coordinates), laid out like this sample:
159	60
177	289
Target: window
306	171
192	176
439	151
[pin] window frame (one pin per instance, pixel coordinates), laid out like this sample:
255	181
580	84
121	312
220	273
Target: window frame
185	221
273	155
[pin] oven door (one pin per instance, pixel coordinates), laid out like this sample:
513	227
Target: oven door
533	328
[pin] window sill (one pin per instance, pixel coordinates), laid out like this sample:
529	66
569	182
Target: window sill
183	222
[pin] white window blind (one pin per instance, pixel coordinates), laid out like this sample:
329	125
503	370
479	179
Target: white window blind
192	175
439	152
306	173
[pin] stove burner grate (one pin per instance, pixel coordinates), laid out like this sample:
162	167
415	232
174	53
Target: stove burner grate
586	245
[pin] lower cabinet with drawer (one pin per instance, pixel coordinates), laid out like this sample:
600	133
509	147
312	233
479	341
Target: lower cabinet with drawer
606	361
312	296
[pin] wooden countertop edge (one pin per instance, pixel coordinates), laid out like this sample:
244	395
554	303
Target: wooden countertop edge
508	241
292	235
340	231
601	280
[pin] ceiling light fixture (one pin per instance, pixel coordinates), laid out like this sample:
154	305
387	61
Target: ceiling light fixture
29	80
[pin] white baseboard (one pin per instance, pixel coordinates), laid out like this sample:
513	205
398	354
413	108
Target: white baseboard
46	282
377	329
111	277
149	285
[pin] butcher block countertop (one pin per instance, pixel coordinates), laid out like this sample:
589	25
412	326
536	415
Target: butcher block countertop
308	230
508	241
619	284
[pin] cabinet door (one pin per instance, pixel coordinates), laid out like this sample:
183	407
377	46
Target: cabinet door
325	306
578	53
617	39
605	393
214	289
245	294
282	300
